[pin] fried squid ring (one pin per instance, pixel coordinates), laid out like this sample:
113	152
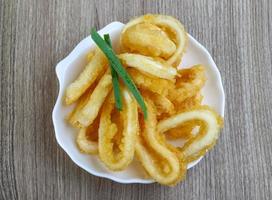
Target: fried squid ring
149	65
87	138
172	26
160	162
118	159
90	111
84	144
73	116
148	39
188	84
207	136
188	129
87	77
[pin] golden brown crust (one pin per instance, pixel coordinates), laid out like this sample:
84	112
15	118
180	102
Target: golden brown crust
167	24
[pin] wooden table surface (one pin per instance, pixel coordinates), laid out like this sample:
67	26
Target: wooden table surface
36	34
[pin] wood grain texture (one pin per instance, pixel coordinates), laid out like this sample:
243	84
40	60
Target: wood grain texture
36	34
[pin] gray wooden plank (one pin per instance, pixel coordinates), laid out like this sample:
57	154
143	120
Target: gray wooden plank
8	31
35	35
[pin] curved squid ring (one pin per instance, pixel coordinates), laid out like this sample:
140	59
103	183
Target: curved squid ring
148	39
84	144
87	138
171	23
198	145
87	77
159	161
72	118
90	110
118	159
149	65
187	129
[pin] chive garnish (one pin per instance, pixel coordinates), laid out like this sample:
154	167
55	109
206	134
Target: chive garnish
116	64
115	82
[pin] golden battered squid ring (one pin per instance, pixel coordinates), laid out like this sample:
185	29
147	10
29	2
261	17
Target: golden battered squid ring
207	136
86	145
148	39
87	138
160	162
169	23
118	159
149	65
87	77
72	118
188	129
90	111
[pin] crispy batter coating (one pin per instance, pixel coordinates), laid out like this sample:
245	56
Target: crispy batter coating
148	39
171	26
150	83
160	162
87	77
118	159
149	65
198	145
90	110
188	84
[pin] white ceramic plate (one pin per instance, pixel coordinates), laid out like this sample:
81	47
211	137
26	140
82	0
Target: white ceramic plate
69	68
